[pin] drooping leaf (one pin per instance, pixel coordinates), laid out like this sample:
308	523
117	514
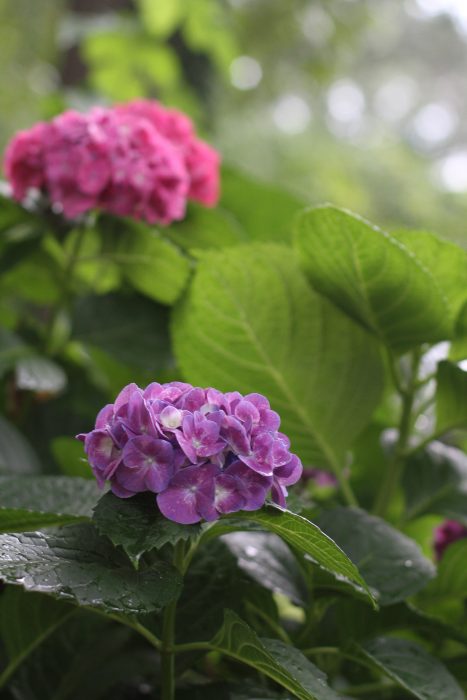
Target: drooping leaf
268	561
299	533
435	481
152	264
391	563
16	454
446	261
372	277
49	494
137	524
412	668
451	397
26	620
251	323
130	329
283	663
78	565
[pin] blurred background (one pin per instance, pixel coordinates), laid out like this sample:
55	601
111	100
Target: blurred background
356	102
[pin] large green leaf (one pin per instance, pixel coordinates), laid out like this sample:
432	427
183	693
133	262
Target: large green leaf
137	524
391	563
413	668
264	210
206	228
451	397
26	620
78	565
435	481
446	261
283	663
16	454
131	329
49	494
373	277
152	264
270	562
446	595
22	520
69	455
300	534
251	323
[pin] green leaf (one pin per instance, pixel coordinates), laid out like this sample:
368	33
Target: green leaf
264	210
372	277
49	494
153	265
26	620
412	668
451	397
270	562
283	664
446	595
16	455
137	524
69	455
130	329
162	18
78	565
435	481
446	261
206	228
391	563
22	520
40	375
299	533
251	323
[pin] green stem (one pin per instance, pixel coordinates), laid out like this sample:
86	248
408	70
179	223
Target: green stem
397	463
168	633
344	484
64	300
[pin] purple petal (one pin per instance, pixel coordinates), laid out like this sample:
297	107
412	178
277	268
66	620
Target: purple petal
149	463
254	486
105	417
171	417
289	473
236	435
228	497
278	494
124	396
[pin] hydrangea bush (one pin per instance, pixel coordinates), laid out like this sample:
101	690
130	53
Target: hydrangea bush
178	549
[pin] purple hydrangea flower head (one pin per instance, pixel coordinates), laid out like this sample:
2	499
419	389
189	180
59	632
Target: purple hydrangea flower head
203	453
449	532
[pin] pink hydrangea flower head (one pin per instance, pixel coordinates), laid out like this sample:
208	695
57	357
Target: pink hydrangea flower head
77	161
24	160
446	534
203	453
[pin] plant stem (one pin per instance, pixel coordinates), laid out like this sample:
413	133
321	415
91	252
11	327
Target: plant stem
168	633
397	463
66	280
344	484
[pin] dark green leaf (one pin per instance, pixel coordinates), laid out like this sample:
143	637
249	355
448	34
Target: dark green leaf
132	330
413	669
372	277
446	595
49	494
270	562
152	264
284	664
252	323
451	397
78	565
435	481
137	525
16	455
299	533
391	563
21	520
26	620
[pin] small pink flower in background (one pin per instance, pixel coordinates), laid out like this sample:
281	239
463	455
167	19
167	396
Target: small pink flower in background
449	532
319	476
140	160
